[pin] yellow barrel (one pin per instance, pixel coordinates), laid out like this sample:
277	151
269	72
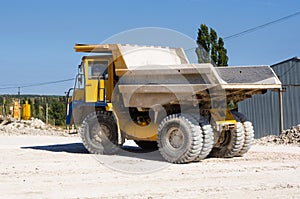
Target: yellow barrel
26	113
16	110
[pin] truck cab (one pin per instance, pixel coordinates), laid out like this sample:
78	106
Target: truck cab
92	89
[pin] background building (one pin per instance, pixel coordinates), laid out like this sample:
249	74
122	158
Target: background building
263	110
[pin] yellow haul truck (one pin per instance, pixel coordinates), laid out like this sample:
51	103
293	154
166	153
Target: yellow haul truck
154	96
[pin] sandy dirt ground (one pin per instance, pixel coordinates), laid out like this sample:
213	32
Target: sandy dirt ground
60	167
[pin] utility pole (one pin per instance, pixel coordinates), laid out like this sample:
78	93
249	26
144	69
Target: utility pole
281	124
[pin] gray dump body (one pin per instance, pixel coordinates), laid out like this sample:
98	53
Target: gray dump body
147	86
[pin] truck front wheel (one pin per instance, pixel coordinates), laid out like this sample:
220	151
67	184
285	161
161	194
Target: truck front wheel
99	133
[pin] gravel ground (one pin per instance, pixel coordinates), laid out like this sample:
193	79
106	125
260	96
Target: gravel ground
59	167
287	137
41	161
31	127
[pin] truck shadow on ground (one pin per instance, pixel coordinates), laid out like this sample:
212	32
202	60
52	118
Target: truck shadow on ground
78	148
68	148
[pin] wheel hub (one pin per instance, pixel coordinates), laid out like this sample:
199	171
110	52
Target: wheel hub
175	137
224	138
100	133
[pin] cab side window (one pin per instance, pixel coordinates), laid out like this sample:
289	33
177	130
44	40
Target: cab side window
97	69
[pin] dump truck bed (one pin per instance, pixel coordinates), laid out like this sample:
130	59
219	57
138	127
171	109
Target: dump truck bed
149	85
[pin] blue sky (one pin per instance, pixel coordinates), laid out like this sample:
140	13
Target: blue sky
37	37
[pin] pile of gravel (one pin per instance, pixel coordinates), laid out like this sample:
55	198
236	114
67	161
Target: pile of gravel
289	136
29	127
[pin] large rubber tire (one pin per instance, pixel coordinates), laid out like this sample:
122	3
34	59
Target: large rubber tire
99	133
234	142
207	137
179	138
249	132
147	145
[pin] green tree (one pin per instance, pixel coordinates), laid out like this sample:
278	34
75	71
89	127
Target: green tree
36	108
222	53
57	112
204	37
2	110
214	45
210	47
7	104
203	41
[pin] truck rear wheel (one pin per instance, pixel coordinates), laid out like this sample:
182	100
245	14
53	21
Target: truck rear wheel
179	138
230	142
249	132
99	133
208	138
147	145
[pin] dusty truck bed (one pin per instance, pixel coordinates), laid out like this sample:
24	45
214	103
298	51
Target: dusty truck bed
148	85
52	166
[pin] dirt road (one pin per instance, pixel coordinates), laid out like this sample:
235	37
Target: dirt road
60	167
